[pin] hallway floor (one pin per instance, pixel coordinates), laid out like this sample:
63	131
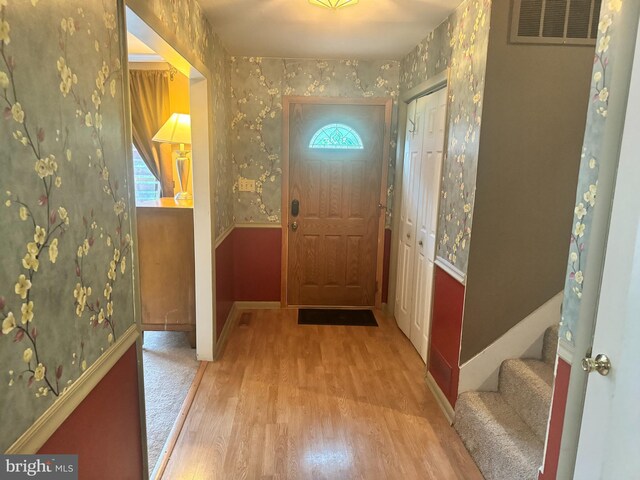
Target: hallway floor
305	402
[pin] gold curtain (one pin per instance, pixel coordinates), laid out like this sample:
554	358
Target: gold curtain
150	108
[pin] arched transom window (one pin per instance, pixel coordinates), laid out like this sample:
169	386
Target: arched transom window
336	135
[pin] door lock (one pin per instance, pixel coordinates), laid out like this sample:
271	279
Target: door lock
294	226
600	364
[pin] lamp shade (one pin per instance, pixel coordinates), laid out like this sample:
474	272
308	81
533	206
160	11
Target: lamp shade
175	130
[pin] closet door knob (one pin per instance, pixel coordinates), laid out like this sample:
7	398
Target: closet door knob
420	243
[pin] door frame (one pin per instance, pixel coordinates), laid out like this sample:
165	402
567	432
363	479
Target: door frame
143	23
433	84
618	303
610	140
287	101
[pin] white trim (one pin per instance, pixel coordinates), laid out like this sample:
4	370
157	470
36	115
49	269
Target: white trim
566	351
233	316
257	305
440	397
223	236
258	225
524	340
203	217
228	325
148	35
141	59
430	85
41	430
140	22
453	271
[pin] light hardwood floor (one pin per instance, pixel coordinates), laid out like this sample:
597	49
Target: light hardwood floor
316	402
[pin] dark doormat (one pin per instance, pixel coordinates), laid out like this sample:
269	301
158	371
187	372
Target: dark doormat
322	316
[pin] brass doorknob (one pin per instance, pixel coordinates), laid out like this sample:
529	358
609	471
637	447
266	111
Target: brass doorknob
600	364
294	226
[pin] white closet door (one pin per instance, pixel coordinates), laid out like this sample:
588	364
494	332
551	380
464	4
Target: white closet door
434	107
405	279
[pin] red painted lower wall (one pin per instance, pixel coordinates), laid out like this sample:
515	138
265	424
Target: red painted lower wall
105	429
556	421
248	268
224	282
257	264
446	332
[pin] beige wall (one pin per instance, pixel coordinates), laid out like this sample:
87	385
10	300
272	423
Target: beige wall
533	122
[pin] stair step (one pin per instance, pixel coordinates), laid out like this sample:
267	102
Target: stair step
550	344
526	386
502	445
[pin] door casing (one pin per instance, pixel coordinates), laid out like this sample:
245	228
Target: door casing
286	103
437	82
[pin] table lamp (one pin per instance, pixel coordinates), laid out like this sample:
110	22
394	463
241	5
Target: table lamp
177	130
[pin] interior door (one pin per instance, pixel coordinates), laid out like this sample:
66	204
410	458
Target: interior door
408	216
335	165
610	431
434	107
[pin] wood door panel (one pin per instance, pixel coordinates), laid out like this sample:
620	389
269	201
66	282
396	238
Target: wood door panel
333	253
313	203
334	187
311	264
358	199
354	260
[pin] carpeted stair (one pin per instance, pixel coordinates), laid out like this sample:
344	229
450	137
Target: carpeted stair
504	431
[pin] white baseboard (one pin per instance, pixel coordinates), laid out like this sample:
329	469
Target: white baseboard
522	341
233	316
223	236
46	425
228	325
444	404
566	351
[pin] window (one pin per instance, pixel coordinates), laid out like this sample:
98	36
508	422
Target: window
336	135
147	186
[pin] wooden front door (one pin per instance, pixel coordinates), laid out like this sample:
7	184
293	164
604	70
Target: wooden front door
334	219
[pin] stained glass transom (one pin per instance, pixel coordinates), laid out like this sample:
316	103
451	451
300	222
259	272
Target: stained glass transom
336	135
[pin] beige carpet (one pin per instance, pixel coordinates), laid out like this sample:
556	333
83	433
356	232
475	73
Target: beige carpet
504	431
169	368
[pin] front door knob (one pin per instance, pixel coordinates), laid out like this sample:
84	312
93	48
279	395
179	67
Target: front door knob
294	226
600	364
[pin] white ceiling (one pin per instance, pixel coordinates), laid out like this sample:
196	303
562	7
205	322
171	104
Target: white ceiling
381	29
139	51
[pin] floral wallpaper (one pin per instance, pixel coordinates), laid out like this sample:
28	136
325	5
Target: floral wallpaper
224	188
460	43
185	20
608	41
257	87
66	290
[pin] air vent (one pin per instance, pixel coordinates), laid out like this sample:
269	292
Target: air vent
566	22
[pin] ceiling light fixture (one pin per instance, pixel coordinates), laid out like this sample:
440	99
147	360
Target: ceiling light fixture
333	4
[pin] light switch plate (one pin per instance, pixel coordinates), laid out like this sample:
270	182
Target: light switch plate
246	185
